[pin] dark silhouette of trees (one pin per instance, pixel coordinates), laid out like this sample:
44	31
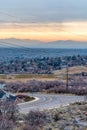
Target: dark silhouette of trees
43	65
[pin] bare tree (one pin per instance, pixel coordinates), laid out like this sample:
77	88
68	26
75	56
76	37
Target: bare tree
8	114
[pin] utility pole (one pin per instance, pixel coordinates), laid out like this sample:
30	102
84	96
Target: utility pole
67	77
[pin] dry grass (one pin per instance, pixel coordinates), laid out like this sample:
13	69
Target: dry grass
57	75
72	70
27	77
24	76
3	76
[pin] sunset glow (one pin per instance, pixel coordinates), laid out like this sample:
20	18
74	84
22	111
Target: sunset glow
45	31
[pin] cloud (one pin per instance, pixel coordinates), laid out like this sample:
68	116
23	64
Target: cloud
43	20
43	10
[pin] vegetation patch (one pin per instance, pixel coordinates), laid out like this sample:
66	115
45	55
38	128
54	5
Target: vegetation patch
72	117
18	76
3	76
77	86
24	98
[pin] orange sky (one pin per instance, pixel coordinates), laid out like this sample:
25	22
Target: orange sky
45	31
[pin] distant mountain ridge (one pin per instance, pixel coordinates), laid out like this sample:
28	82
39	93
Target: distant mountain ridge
39	44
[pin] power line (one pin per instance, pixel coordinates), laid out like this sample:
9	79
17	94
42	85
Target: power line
18	18
12	44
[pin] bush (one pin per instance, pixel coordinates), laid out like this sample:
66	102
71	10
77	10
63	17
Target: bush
36	119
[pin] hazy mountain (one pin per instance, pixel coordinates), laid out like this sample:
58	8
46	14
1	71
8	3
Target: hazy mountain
19	43
38	44
67	44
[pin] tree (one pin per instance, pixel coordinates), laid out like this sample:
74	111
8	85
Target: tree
8	114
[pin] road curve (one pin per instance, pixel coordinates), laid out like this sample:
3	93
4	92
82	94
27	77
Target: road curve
48	101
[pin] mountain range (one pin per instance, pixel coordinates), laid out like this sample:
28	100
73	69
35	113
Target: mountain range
39	44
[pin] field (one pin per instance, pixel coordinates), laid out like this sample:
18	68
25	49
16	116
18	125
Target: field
30	76
27	77
71	71
57	75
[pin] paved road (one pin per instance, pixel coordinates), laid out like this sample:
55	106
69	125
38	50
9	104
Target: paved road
48	101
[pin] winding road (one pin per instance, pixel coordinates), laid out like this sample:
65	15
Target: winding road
48	101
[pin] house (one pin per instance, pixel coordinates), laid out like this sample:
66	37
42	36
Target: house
9	96
2	93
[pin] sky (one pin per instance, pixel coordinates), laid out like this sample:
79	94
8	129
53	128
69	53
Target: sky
44	21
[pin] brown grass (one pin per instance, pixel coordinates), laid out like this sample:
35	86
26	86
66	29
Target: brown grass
27	77
71	70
